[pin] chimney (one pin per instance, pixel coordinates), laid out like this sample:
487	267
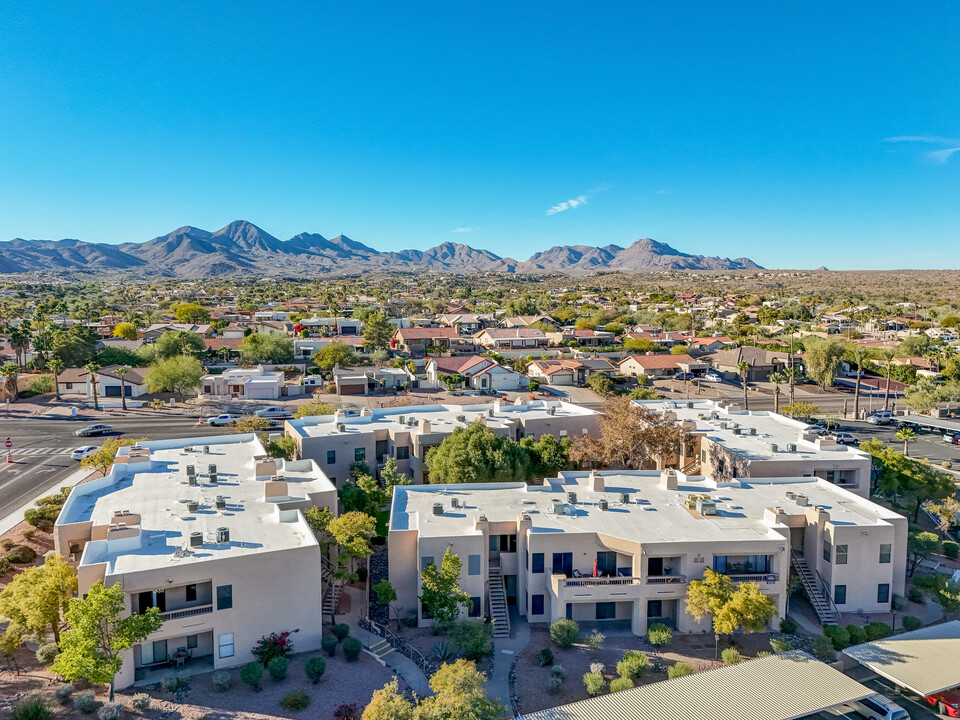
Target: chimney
425	427
596	481
668	479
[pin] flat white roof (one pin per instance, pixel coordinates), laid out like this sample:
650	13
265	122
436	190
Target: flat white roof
778	687
159	492
750	433
443	418
925	661
653	513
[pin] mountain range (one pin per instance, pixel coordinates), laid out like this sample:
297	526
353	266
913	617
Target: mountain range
243	248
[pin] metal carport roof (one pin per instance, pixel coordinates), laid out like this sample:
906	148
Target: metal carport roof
925	661
778	687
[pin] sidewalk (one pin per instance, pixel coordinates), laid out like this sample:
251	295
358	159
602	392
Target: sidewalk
16	516
505	651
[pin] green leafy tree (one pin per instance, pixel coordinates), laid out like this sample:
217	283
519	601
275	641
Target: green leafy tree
173	343
336	353
601	384
266	348
476	454
35	600
549	454
377	332
442	594
920	546
98	634
379	357
745	607
192	313
459	691
388	703
179	374
386	595
313	408
822	360
801	410
102	458
283	447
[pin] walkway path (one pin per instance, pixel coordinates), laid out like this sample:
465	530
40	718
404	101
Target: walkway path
505	650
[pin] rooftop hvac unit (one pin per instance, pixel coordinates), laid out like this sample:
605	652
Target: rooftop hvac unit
624	498
706	506
461	418
490	412
438	508
196	539
736	431
791	495
551	410
753	431
690	405
774	447
791	447
572	498
715	415
211	468
221	501
558	508
402	420
193	506
191	479
723	425
701	416
206	449
341	427
223	535
603	504
191	470
802	500
454	502
213	478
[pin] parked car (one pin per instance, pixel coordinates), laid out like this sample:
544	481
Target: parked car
879	707
713	377
275	413
684	376
843	438
880	419
81	452
946	702
225	419
93	430
952	438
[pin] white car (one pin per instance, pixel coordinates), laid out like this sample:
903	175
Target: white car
81	452
879	707
273	413
712	377
225	419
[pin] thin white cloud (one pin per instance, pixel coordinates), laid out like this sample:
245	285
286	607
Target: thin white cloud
937	156
568	205
465	229
941	156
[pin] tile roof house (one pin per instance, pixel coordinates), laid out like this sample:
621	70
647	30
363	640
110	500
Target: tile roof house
512	338
417	340
568	371
763	363
658	365
480	373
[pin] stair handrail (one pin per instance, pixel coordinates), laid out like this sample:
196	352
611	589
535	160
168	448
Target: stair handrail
398	644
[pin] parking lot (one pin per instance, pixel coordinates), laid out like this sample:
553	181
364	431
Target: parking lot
926	445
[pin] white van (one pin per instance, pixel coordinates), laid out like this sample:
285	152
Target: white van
878	707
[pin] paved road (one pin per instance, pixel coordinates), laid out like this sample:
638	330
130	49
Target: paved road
41	449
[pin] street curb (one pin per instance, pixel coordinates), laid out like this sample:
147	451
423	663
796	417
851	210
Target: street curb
16	517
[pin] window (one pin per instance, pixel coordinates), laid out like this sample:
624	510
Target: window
225	598
703	456
191	641
826	550
475	607
473	564
654	608
606	610
360	455
536	605
331	457
840	556
403	452
885	553
426	560
607	563
538	562
883	593
721	465
191	593
563	564
840	594
507	543
225	645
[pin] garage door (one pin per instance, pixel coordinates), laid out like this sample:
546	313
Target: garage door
351	389
112	391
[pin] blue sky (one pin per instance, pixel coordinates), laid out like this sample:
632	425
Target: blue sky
795	134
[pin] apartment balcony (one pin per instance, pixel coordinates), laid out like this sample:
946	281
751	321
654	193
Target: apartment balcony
186	613
591	589
666	580
759	578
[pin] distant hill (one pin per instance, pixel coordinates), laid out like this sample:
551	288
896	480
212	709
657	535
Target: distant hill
243	248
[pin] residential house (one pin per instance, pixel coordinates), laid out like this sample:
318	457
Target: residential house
763	363
659	365
516	338
565	372
526	320
466	323
583	338
256	383
479	373
418	339
363	381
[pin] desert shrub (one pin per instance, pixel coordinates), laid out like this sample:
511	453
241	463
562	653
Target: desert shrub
110	711
780	645
838	636
558	671
251	674
620	683
362	573
730	656
347	711
911	623
33	708
659	634
594	683
340	631
85	702
554	684
295	700
21	554
594	641
899	603
141	702
951	549
856	634
176	683
596	667
474	638
632	665
274	645
877	630
30	533
823	649
764	653
315	668
351	649
43	517
63	693
47	653
5	566
545	657
329	645
564	632
679	669
441	651
277	668
220	680
915	594
6	543
788	626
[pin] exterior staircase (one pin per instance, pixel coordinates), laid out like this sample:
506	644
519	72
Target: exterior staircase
331	588
381	649
821	603
498	601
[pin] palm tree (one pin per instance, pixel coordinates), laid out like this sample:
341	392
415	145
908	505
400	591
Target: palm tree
120	372
858	354
11	371
56	367
792	374
93	369
744	368
777	378
906	436
887	354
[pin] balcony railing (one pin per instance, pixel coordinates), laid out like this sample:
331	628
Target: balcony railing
187	612
754	577
594	582
666	579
